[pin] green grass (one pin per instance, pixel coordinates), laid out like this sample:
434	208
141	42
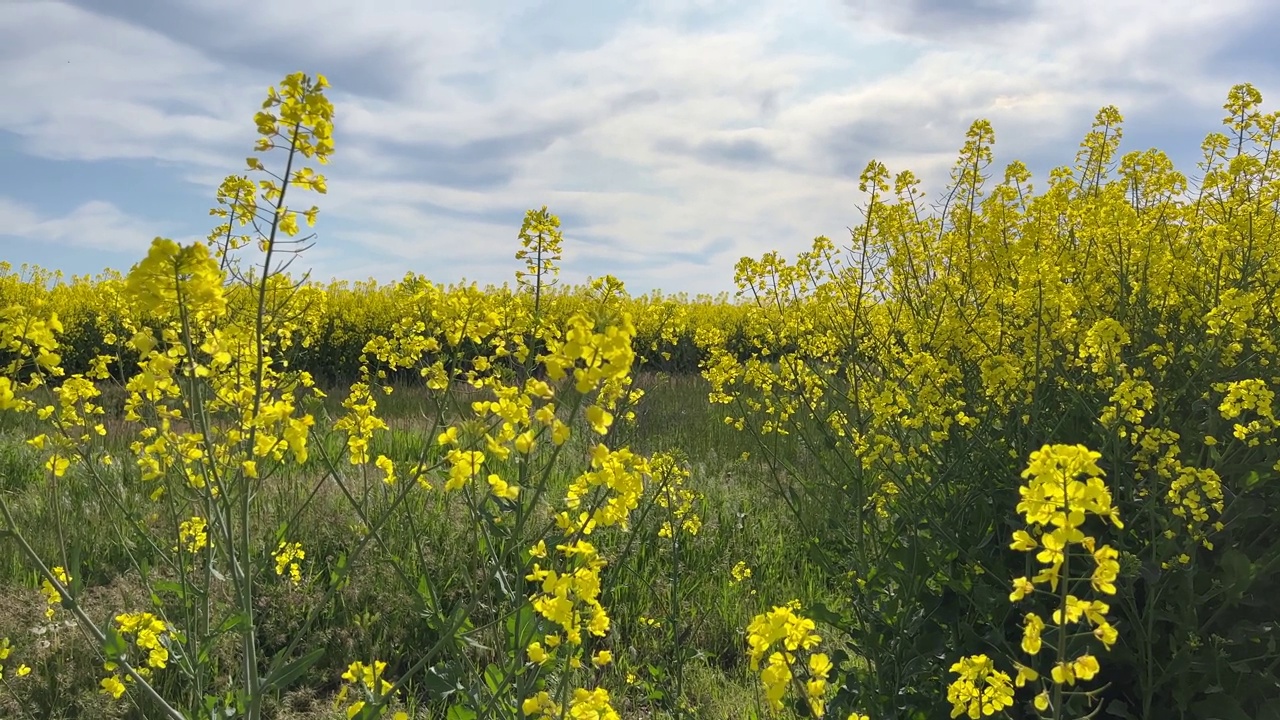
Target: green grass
698	665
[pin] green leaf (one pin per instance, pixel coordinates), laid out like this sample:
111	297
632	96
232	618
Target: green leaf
231	623
820	612
1119	709
1255	478
524	621
441	680
292	671
495	677
339	571
424	593
113	644
171	586
370	711
1237	570
1220	707
460	712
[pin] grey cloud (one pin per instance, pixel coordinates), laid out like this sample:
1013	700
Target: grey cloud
485	163
565	25
1241	55
428	210
477	86
706	254
932	19
604	252
633	100
737	152
768	103
1174	124
644	272
381	70
846	148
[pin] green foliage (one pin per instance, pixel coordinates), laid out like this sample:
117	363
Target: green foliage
488	512
919	366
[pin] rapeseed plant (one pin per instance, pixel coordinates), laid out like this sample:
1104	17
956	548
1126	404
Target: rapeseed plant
1055	505
1110	308
540	247
888	382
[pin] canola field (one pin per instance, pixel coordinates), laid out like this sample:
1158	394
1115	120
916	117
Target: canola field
1011	453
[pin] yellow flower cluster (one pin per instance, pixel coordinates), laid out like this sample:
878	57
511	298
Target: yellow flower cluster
175	280
981	689
5	650
619	477
1244	396
597	359
674	496
51	595
289	555
571	599
369	686
1055	504
30	338
193	534
583	705
150	635
360	422
791	632
541	243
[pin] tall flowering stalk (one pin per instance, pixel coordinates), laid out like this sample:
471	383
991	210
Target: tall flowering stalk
1056	502
540	247
214	408
1064	486
216	412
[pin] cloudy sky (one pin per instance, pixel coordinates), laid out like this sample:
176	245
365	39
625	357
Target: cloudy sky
671	136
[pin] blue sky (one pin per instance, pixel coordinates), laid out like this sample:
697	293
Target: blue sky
671	136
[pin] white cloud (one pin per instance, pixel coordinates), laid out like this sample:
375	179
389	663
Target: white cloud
94	225
18	217
659	131
89	87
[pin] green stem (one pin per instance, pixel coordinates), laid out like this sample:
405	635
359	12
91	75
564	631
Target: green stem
1062	619
86	624
25	711
253	682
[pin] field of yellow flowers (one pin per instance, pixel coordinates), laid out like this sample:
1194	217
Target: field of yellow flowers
1013	457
